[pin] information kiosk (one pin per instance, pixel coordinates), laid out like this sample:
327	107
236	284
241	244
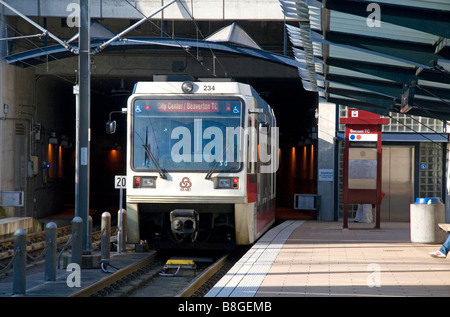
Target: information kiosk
362	161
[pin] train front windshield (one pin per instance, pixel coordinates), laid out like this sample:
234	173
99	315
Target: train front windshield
187	135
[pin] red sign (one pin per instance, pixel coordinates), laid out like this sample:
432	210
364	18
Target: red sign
362	160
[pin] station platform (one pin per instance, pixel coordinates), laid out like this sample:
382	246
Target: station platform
65	284
308	258
298	258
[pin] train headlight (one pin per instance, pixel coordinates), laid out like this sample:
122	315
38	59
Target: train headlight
223	183
187	87
226	183
144	182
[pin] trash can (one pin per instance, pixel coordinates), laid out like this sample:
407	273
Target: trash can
425	215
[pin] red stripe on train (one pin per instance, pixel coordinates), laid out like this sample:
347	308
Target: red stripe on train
252	188
265	216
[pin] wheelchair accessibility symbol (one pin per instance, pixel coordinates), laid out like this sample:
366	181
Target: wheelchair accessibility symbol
236	109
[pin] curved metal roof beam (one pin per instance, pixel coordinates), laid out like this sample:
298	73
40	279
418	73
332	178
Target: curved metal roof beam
35	56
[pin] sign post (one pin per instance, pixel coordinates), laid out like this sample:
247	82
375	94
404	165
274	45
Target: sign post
120	182
362	161
83	122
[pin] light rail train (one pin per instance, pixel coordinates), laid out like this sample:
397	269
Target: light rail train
201	164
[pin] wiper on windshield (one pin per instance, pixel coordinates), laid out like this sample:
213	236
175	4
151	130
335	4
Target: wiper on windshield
211	170
155	162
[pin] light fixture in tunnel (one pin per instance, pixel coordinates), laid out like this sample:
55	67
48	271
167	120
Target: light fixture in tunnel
53	139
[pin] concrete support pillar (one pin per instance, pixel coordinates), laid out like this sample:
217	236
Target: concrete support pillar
326	153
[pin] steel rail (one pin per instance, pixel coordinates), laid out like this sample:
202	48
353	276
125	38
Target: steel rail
203	277
114	277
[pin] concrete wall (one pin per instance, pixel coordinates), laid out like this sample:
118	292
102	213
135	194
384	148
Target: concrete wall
34	104
17	92
325	160
32	101
184	9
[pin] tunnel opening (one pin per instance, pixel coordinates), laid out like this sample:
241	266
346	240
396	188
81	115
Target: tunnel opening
293	107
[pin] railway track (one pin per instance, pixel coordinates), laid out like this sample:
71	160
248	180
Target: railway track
36	244
35	241
149	278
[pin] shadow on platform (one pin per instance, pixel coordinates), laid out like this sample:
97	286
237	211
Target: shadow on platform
284	213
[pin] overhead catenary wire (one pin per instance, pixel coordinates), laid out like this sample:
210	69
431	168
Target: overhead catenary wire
54	58
186	49
75	51
61	42
423	134
40	48
428	127
23	37
135	25
199	31
432	94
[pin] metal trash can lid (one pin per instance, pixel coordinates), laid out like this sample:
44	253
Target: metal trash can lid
428	200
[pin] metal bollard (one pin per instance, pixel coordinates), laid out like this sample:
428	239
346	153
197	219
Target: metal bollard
50	252
77	242
90	221
106	233
20	247
122	231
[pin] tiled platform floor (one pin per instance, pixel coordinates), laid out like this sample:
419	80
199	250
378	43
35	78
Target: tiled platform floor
321	259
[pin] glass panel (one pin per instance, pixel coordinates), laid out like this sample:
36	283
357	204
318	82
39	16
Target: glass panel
404	123
430	175
187	134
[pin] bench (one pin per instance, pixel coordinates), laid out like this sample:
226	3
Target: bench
444	226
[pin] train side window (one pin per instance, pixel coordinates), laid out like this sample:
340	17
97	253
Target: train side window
252	150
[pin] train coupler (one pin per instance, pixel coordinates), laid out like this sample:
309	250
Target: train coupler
184	222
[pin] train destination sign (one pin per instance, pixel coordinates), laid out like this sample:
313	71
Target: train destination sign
188	106
175	106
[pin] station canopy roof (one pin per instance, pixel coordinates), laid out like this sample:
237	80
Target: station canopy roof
372	54
230	39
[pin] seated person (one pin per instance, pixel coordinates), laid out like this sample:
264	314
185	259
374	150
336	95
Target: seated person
443	251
